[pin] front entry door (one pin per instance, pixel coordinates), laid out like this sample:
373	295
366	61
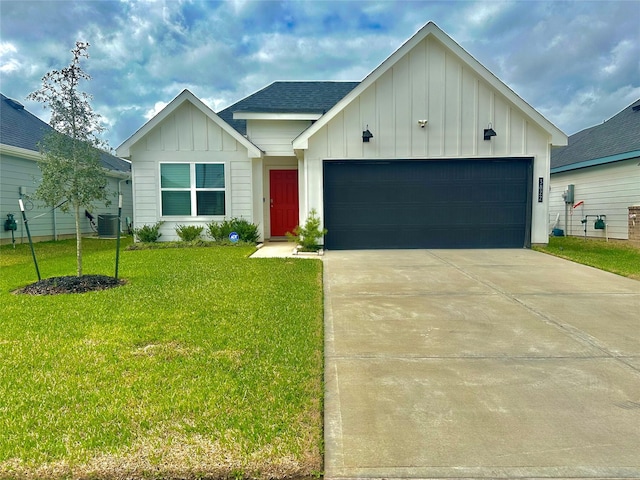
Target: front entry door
283	186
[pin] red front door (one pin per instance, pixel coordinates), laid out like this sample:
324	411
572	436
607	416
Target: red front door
283	186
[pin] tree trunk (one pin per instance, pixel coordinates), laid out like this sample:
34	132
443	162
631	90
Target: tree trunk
78	241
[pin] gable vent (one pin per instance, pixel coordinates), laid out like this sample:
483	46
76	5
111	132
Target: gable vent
14	104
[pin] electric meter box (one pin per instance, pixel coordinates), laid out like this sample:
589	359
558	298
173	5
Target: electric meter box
570	194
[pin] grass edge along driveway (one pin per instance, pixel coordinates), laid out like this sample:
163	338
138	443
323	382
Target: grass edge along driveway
206	364
620	258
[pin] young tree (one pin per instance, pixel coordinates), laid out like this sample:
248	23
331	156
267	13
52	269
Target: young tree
72	174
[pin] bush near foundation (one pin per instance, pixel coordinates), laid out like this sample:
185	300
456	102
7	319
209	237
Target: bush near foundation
189	233
148	233
247	231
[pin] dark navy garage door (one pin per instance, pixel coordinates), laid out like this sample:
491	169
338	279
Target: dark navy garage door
474	203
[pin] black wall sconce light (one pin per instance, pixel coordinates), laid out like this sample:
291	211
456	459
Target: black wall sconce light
489	132
367	135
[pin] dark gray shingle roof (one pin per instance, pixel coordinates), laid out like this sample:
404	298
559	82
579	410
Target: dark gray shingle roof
20	128
288	97
618	135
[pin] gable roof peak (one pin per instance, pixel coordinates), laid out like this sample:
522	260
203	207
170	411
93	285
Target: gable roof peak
124	150
428	30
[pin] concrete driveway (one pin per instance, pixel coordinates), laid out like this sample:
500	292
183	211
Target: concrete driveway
479	364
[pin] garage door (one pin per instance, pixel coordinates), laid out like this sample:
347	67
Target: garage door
427	203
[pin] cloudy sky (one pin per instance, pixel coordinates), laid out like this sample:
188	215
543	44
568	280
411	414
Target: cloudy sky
578	63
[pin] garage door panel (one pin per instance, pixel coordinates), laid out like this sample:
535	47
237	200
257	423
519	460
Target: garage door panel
427	204
462	236
402	213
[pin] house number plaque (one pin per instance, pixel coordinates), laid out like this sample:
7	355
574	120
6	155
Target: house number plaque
540	189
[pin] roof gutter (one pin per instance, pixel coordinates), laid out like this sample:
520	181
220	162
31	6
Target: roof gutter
597	161
35	156
275	116
117	174
20	152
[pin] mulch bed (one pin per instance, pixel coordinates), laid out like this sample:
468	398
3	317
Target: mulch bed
71	284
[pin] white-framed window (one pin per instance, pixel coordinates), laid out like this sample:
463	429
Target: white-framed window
192	189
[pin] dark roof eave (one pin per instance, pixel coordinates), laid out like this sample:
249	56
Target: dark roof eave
280	110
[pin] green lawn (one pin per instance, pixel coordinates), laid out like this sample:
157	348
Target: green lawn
616	257
205	364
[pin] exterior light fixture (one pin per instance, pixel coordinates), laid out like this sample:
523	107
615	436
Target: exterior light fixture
422	123
489	132
366	135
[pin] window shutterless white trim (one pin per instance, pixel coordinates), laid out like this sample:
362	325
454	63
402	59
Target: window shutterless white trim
193	190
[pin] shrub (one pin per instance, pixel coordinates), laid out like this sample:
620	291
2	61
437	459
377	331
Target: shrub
189	233
220	231
308	235
148	233
247	231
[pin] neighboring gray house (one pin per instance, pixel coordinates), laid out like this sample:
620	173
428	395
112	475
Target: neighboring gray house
601	165
20	132
429	150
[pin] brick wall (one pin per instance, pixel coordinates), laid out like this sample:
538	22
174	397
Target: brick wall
634	224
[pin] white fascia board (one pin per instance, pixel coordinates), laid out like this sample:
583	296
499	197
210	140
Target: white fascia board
557	137
20	152
275	116
26	154
124	150
117	174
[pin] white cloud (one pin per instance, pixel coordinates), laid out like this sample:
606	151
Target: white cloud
8	63
589	107
576	62
482	12
218	103
623	52
6	48
238	5
157	108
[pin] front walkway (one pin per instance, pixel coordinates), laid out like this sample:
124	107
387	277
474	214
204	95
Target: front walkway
479	364
275	250
282	249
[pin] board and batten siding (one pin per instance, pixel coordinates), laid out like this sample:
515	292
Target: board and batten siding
44	223
274	137
431	83
608	189
188	135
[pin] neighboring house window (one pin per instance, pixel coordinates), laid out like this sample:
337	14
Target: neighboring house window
192	189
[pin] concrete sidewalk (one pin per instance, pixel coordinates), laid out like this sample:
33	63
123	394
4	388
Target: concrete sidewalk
479	364
283	249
